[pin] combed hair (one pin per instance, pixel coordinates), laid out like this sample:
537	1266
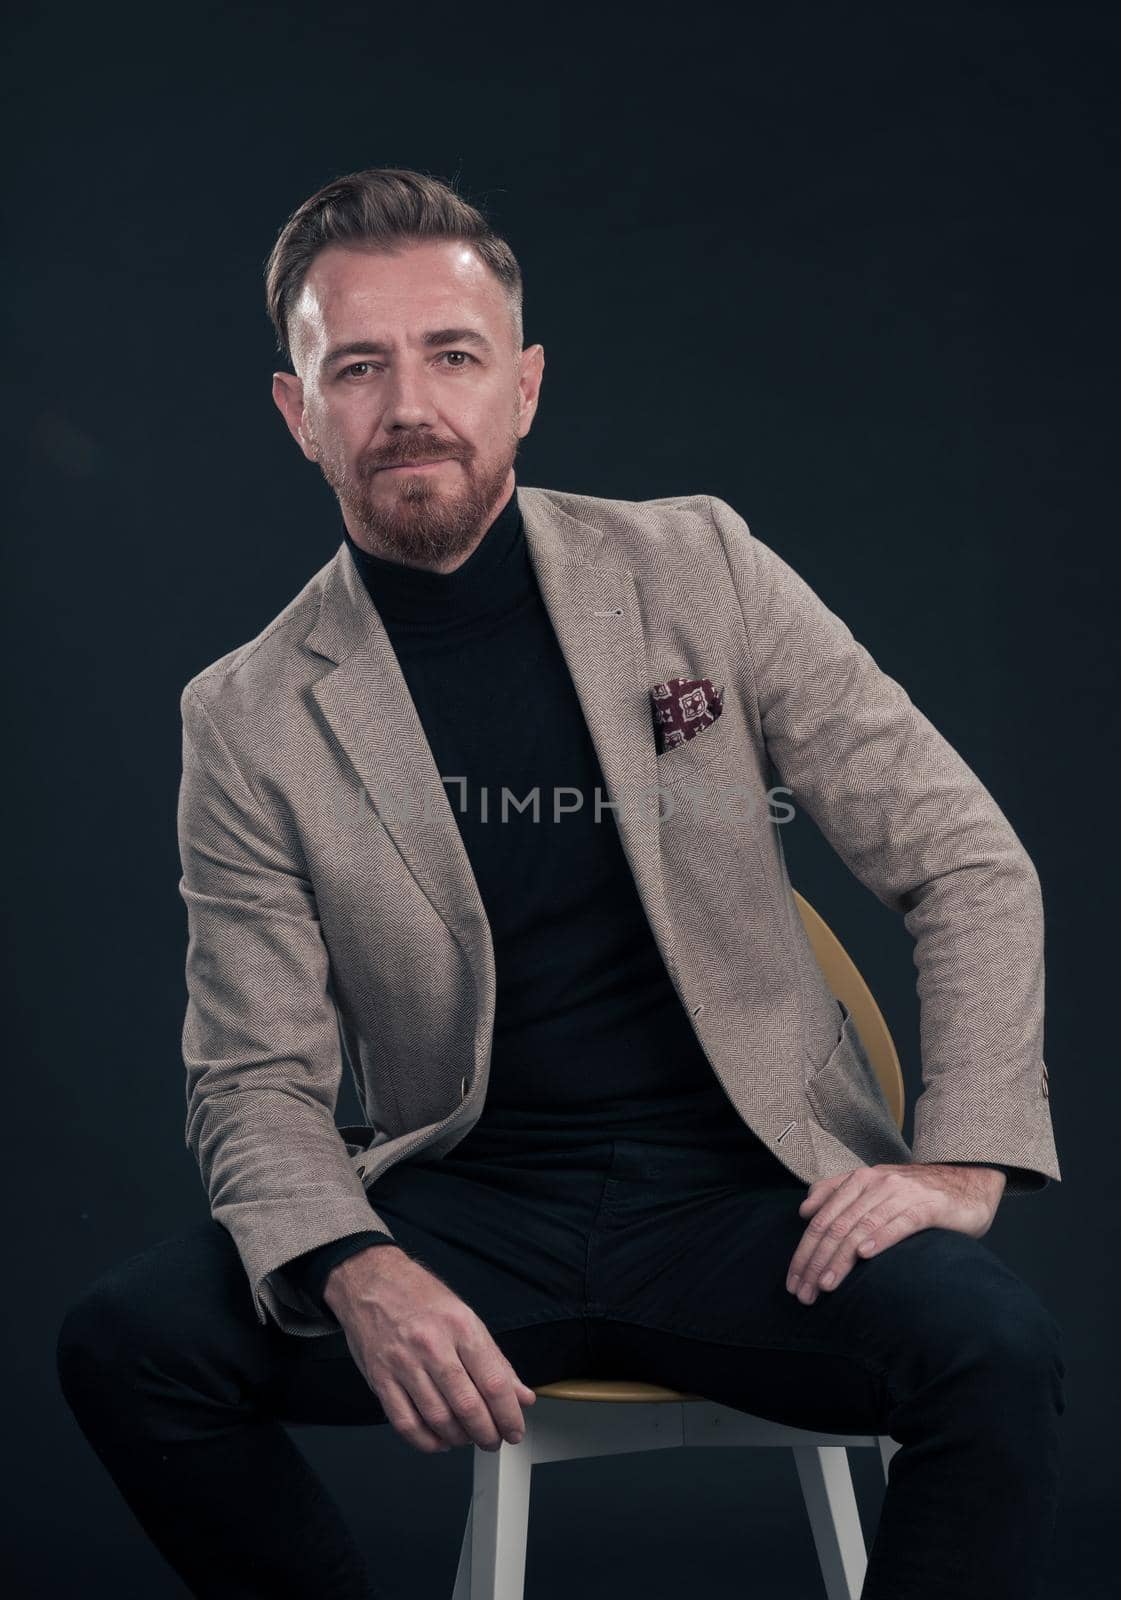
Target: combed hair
380	208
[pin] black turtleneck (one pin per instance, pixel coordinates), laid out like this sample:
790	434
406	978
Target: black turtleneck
414	600
590	1037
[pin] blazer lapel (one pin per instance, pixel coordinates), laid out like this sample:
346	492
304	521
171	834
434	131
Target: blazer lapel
592	602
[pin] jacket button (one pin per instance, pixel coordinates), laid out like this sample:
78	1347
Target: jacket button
463	1087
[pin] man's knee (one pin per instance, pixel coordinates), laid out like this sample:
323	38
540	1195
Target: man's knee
142	1310
974	1304
1028	1341
98	1337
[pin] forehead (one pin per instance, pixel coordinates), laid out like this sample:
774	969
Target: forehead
390	295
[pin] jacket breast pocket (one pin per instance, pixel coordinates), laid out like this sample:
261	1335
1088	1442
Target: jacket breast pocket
697	780
706	744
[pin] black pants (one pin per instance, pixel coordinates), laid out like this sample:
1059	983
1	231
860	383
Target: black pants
615	1260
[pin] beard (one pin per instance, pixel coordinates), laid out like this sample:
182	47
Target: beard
423	519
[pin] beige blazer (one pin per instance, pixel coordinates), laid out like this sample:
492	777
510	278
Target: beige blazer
333	916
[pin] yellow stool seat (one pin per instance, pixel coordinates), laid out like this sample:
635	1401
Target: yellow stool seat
610	1389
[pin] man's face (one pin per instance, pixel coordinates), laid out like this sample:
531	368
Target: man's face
374	391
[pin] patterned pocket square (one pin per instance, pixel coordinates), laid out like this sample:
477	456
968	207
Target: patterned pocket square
683	707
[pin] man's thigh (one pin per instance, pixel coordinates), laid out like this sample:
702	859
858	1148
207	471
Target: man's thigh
690	1288
177	1320
508	1238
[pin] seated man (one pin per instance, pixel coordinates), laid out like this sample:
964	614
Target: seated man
616	1122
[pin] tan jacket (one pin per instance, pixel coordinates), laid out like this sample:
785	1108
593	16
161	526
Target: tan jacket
333	914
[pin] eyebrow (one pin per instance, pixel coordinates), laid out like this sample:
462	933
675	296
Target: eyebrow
436	336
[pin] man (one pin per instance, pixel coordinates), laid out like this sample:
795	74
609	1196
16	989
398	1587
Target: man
599	1062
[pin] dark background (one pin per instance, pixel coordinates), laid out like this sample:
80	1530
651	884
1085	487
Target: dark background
853	269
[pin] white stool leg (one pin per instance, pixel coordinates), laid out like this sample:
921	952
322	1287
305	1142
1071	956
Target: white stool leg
462	1590
492	1555
888	1447
834	1518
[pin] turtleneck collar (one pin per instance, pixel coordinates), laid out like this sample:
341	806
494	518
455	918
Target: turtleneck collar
493	575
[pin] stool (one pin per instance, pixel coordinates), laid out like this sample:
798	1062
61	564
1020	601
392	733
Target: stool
582	1417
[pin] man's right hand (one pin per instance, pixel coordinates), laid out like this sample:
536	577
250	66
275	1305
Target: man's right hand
431	1361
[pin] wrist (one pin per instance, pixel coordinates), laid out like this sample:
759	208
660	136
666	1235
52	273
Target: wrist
338	1281
996	1178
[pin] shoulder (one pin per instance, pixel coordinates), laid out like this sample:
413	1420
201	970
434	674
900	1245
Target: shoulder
640	529
262	666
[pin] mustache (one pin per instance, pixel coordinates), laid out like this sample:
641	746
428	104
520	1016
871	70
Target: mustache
400	459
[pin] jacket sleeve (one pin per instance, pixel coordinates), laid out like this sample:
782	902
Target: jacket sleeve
311	1270
919	829
260	1036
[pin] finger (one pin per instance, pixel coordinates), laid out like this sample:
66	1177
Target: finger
525	1394
824	1187
871	1237
494	1379
884	1225
835	1250
434	1406
847	1229
862	1239
888	1233
464	1384
819	1192
522	1391
405	1419
846	1192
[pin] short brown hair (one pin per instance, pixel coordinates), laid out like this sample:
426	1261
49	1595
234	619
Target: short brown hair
380	207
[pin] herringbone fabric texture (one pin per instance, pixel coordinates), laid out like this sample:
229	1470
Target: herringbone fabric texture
334	920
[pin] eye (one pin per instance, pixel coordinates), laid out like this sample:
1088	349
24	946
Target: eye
457	366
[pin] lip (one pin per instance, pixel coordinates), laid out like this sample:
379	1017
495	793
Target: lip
416	466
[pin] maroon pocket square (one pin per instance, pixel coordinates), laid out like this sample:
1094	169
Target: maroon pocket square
683	707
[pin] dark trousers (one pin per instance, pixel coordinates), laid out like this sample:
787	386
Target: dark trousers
617	1259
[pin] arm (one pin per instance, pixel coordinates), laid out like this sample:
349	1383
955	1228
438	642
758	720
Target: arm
917	827
260	1036
311	1270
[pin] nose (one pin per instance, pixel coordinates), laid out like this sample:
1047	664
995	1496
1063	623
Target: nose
408	399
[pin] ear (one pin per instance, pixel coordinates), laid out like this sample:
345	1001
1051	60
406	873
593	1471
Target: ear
532	361
288	394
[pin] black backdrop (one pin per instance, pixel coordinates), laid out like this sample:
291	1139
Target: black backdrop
852	269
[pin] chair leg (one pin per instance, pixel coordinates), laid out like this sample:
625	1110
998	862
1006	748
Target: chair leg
462	1590
834	1518
888	1447
492	1555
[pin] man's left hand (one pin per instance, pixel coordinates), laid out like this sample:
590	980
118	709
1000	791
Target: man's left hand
860	1213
